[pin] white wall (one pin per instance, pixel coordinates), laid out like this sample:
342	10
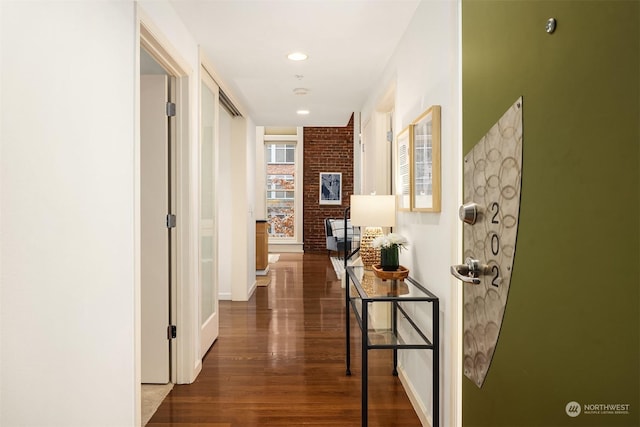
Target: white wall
376	154
425	68
368	154
242	253
250	194
225	215
1	215
261	175
66	208
69	284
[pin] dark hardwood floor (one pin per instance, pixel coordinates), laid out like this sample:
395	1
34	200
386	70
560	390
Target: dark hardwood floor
279	361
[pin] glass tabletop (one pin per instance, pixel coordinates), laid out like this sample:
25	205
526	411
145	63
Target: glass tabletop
366	285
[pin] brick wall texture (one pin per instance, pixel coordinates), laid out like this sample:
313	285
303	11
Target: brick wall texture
327	149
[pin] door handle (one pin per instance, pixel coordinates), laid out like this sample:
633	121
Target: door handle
470	271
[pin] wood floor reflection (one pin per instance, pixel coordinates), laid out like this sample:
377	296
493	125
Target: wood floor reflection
279	361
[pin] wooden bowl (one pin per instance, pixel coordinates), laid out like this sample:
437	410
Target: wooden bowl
400	274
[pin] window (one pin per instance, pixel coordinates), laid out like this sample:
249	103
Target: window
281	154
280	187
281	190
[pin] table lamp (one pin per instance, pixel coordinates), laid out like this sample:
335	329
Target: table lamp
372	212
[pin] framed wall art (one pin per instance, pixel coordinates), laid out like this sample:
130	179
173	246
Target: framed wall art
330	188
425	161
403	168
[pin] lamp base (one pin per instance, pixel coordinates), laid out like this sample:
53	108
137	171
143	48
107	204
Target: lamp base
368	253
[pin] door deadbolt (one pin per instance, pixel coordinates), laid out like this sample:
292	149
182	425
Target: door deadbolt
468	213
470	271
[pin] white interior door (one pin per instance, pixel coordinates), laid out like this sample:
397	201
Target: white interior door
209	109
154	189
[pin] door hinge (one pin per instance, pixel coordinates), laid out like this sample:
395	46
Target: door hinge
390	136
172	332
171	109
171	221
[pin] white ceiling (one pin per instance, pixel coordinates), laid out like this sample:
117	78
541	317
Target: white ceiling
349	43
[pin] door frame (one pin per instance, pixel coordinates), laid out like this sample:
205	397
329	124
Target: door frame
185	363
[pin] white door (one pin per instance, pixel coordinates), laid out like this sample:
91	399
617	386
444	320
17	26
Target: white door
154	189
209	319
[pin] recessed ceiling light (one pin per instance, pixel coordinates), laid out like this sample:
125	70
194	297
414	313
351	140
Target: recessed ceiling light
300	91
303	112
297	56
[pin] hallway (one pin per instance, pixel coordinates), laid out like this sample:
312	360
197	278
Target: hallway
279	361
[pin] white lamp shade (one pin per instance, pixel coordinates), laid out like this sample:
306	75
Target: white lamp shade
374	211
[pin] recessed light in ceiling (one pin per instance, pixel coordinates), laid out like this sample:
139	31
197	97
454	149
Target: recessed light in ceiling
297	56
301	91
303	112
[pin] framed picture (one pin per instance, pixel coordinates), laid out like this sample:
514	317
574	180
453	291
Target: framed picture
403	168
425	161
330	188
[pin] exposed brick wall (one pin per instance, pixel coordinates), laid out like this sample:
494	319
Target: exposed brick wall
326	149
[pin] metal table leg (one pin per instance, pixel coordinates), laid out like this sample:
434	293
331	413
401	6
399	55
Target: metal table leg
365	363
394	328
348	322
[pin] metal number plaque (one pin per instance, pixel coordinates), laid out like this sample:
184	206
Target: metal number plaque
492	185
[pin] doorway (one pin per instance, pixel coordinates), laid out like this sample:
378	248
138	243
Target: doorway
377	137
161	172
185	359
157	225
157	242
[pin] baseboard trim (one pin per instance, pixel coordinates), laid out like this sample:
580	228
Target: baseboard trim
286	247
252	289
224	296
263	272
421	411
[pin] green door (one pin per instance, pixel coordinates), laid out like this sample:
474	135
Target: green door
568	352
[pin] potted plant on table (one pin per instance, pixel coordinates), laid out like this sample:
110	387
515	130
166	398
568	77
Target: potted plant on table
390	246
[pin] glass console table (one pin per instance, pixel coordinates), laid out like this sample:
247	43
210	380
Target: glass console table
362	290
